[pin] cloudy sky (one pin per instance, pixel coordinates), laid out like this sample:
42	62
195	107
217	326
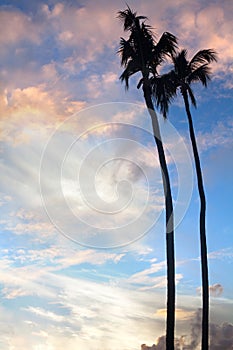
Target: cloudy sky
82	243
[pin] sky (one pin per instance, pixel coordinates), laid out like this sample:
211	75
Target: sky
82	242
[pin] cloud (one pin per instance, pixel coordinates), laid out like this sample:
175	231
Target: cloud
23	282
181	314
147	279
73	308
86	28
15	27
87	256
197	25
78	33
81	309
222	254
207	26
56	258
221	336
4	199
219	136
145	275
121	176
81	36
13	293
37	229
45	314
32	111
54	12
215	290
214	22
145	347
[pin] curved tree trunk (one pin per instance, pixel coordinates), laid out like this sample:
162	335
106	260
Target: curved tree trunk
169	223
204	261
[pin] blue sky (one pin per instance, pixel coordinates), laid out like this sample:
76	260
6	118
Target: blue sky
80	175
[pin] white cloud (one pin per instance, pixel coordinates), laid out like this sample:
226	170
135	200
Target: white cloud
219	136
45	314
145	275
89	305
151	277
80	311
222	254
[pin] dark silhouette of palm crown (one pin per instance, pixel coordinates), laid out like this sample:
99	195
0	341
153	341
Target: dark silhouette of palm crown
182	76
141	53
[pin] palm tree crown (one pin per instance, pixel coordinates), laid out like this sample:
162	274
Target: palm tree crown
182	76
141	53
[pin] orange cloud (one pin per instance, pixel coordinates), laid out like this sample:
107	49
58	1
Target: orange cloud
33	109
181	314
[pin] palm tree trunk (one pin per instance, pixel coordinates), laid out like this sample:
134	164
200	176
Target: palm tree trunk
169	223
204	261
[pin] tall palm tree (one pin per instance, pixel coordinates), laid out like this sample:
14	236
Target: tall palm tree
140	53
164	89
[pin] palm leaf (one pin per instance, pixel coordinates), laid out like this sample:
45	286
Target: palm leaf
166	46
201	74
132	68
140	52
130	18
140	83
126	51
181	64
192	97
164	91
202	57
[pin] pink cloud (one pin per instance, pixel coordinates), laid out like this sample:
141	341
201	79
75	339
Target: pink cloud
33	108
16	26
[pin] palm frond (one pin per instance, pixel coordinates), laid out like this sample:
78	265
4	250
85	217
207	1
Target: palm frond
192	97
164	91
202	57
201	74
166	46
181	64
145	43
140	83
142	38
130	18
132	68
147	31
126	51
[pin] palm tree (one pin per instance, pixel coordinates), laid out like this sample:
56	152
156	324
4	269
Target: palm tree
164	89
140	53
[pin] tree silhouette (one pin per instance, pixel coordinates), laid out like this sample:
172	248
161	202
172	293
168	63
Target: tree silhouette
140	53
164	89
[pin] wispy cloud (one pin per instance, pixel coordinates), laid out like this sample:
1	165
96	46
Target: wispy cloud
219	136
222	254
